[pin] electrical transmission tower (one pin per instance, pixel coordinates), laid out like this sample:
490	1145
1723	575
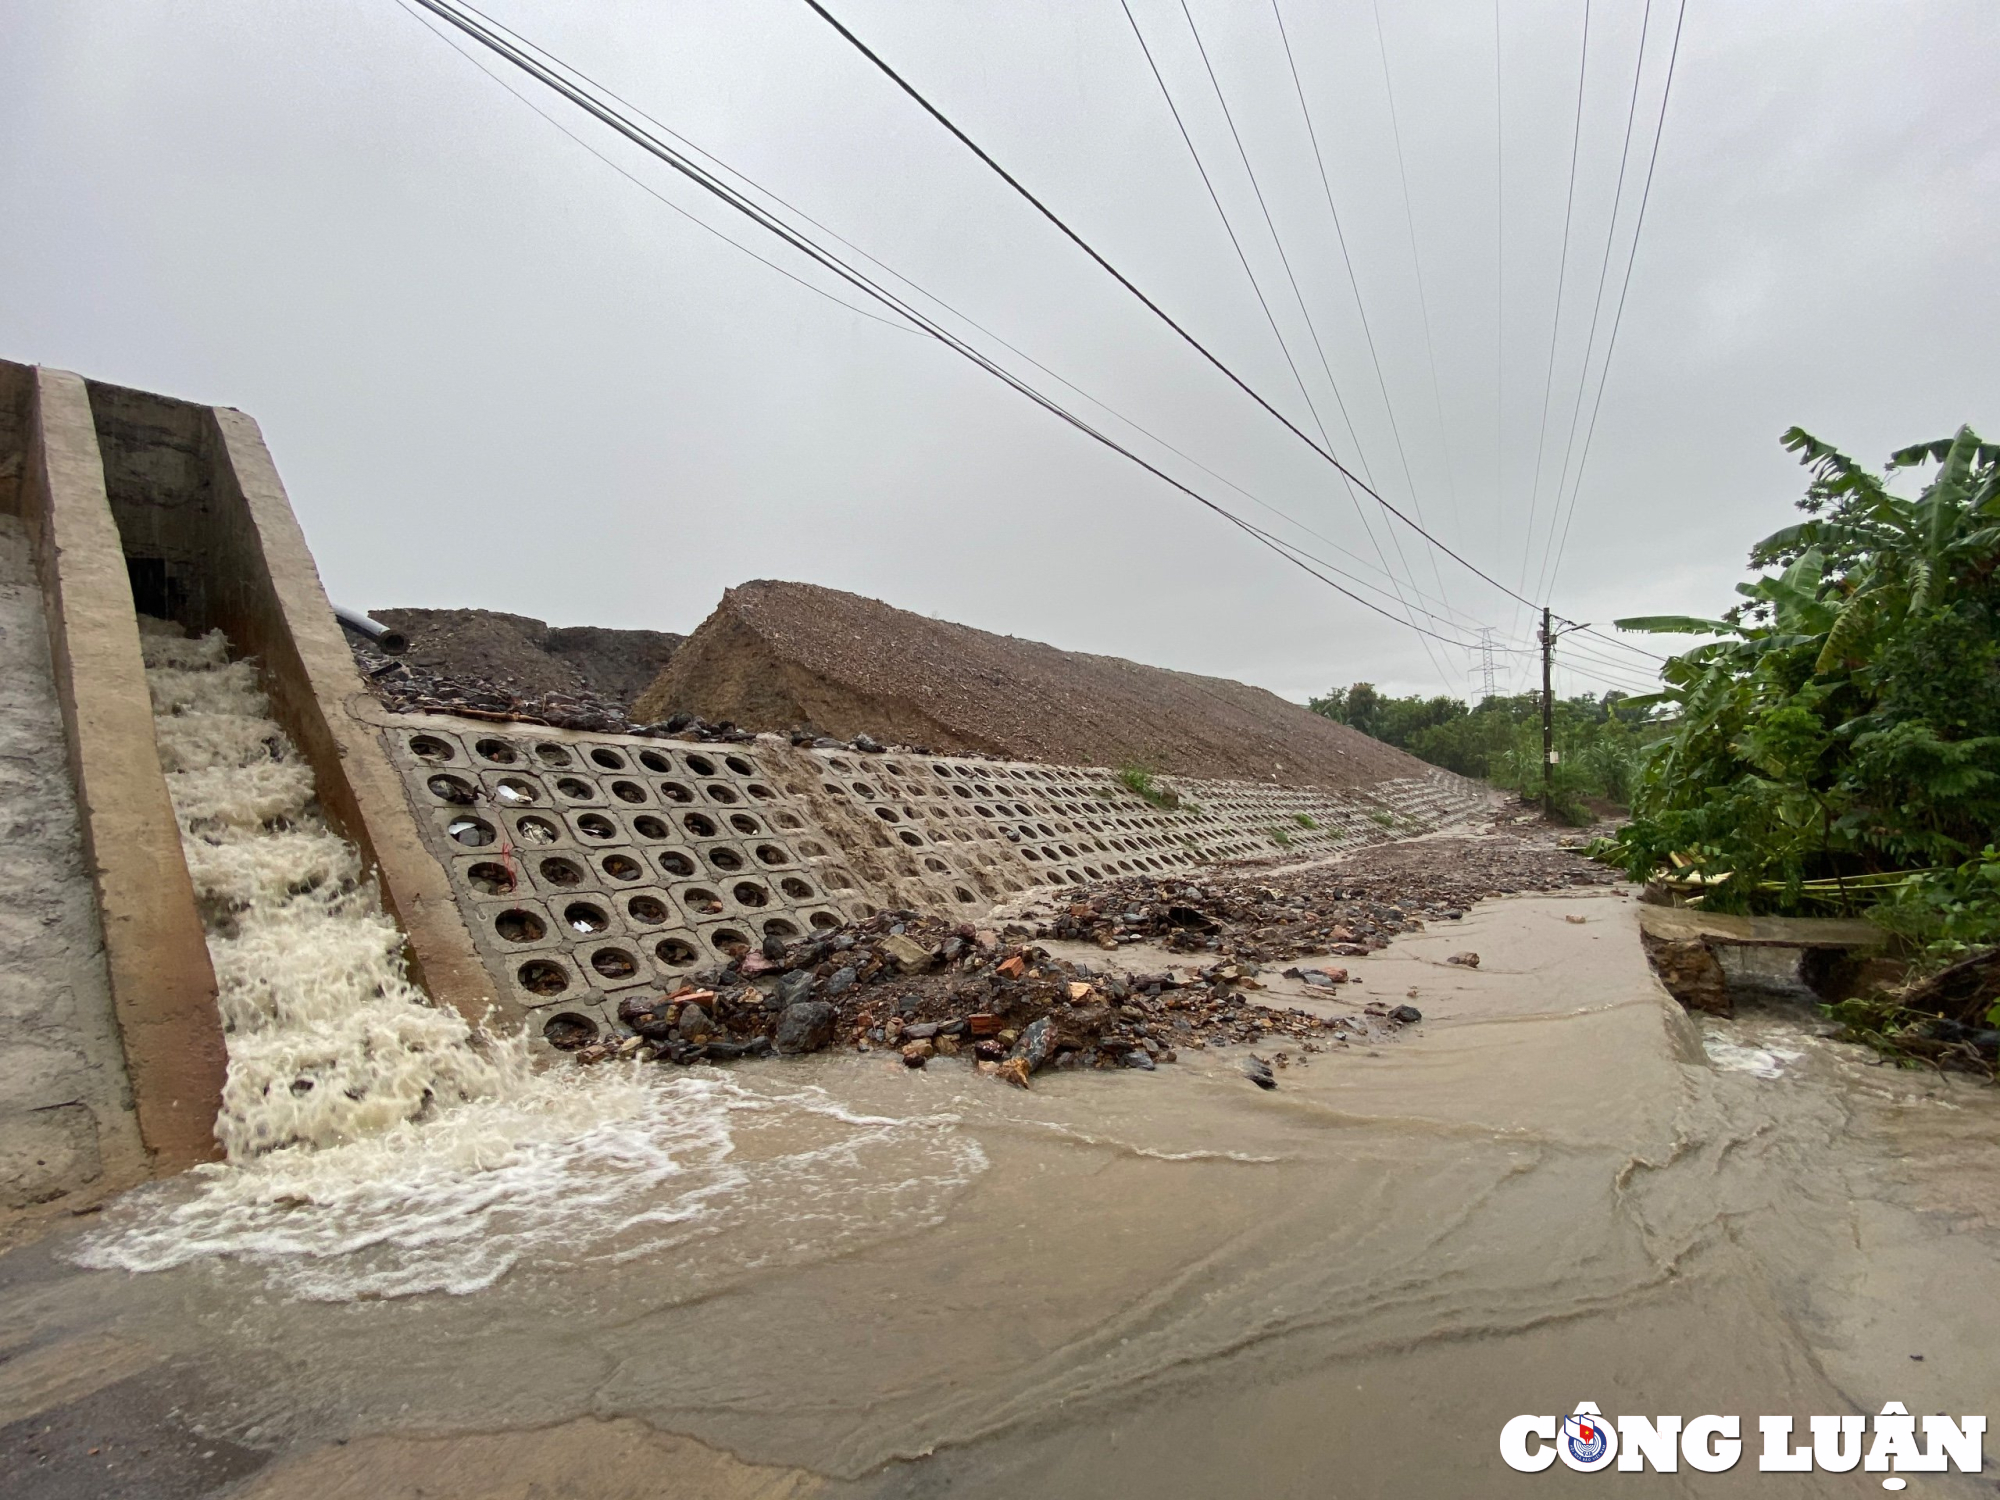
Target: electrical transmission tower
1487	667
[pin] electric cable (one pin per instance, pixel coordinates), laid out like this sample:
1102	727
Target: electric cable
695	173
1603	273
1611	345
1562	277
1228	228
929	296
1149	303
1417	264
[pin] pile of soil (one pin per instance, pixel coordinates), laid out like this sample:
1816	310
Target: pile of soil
528	658
777	655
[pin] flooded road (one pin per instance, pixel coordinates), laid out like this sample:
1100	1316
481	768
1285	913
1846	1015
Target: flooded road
838	1276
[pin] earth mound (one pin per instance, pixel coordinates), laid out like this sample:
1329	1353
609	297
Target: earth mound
529	657
775	655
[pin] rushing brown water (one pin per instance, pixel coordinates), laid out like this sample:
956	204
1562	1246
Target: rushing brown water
888	1282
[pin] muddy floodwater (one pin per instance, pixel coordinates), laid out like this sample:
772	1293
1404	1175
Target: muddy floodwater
842	1277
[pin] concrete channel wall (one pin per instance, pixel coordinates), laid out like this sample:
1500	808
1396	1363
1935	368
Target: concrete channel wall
211	542
128	502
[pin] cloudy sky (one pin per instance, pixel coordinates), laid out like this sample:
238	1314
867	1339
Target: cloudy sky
497	371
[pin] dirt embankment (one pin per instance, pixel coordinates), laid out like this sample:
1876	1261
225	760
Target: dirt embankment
775	655
528	657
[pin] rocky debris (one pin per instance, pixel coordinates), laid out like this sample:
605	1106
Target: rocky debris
1348	909
924	988
806	1026
407	686
1464	960
569	1032
1258	1071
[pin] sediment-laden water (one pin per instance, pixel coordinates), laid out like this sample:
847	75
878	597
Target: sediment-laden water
906	1282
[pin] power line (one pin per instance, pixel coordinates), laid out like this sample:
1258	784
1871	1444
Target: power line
1298	296
929	296
642	184
1603	272
1417	263
1562	277
1150	305
1285	260
1613	640
1256	287
1611	345
1271	227
595	107
1340	238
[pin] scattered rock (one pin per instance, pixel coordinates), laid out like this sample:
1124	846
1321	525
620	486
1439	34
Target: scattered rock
1464	960
1258	1071
567	1031
806	1026
913	957
1037	1044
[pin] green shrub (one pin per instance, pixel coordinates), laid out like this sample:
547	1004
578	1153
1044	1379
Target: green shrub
1139	780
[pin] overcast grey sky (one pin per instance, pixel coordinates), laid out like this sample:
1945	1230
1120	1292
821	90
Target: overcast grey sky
497	373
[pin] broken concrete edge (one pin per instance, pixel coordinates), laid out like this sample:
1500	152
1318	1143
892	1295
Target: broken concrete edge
162	982
269	600
1675	923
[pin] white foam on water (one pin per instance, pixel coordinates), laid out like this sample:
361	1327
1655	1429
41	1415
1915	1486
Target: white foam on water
617	1164
328	1040
379	1146
1762	1062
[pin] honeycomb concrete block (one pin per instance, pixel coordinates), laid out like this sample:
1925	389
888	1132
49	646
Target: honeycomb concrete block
683	855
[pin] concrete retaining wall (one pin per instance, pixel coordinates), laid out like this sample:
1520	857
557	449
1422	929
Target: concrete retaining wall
591	865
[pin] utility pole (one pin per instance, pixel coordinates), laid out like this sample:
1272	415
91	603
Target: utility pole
1548	637
1548	718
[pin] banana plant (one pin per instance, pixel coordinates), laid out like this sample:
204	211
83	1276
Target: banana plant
1845	719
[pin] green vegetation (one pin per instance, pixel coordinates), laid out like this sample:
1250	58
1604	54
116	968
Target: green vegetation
1599	742
1304	820
1279	837
1838	747
1139	780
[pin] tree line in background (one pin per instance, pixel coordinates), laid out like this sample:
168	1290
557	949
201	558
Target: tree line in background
1599	741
